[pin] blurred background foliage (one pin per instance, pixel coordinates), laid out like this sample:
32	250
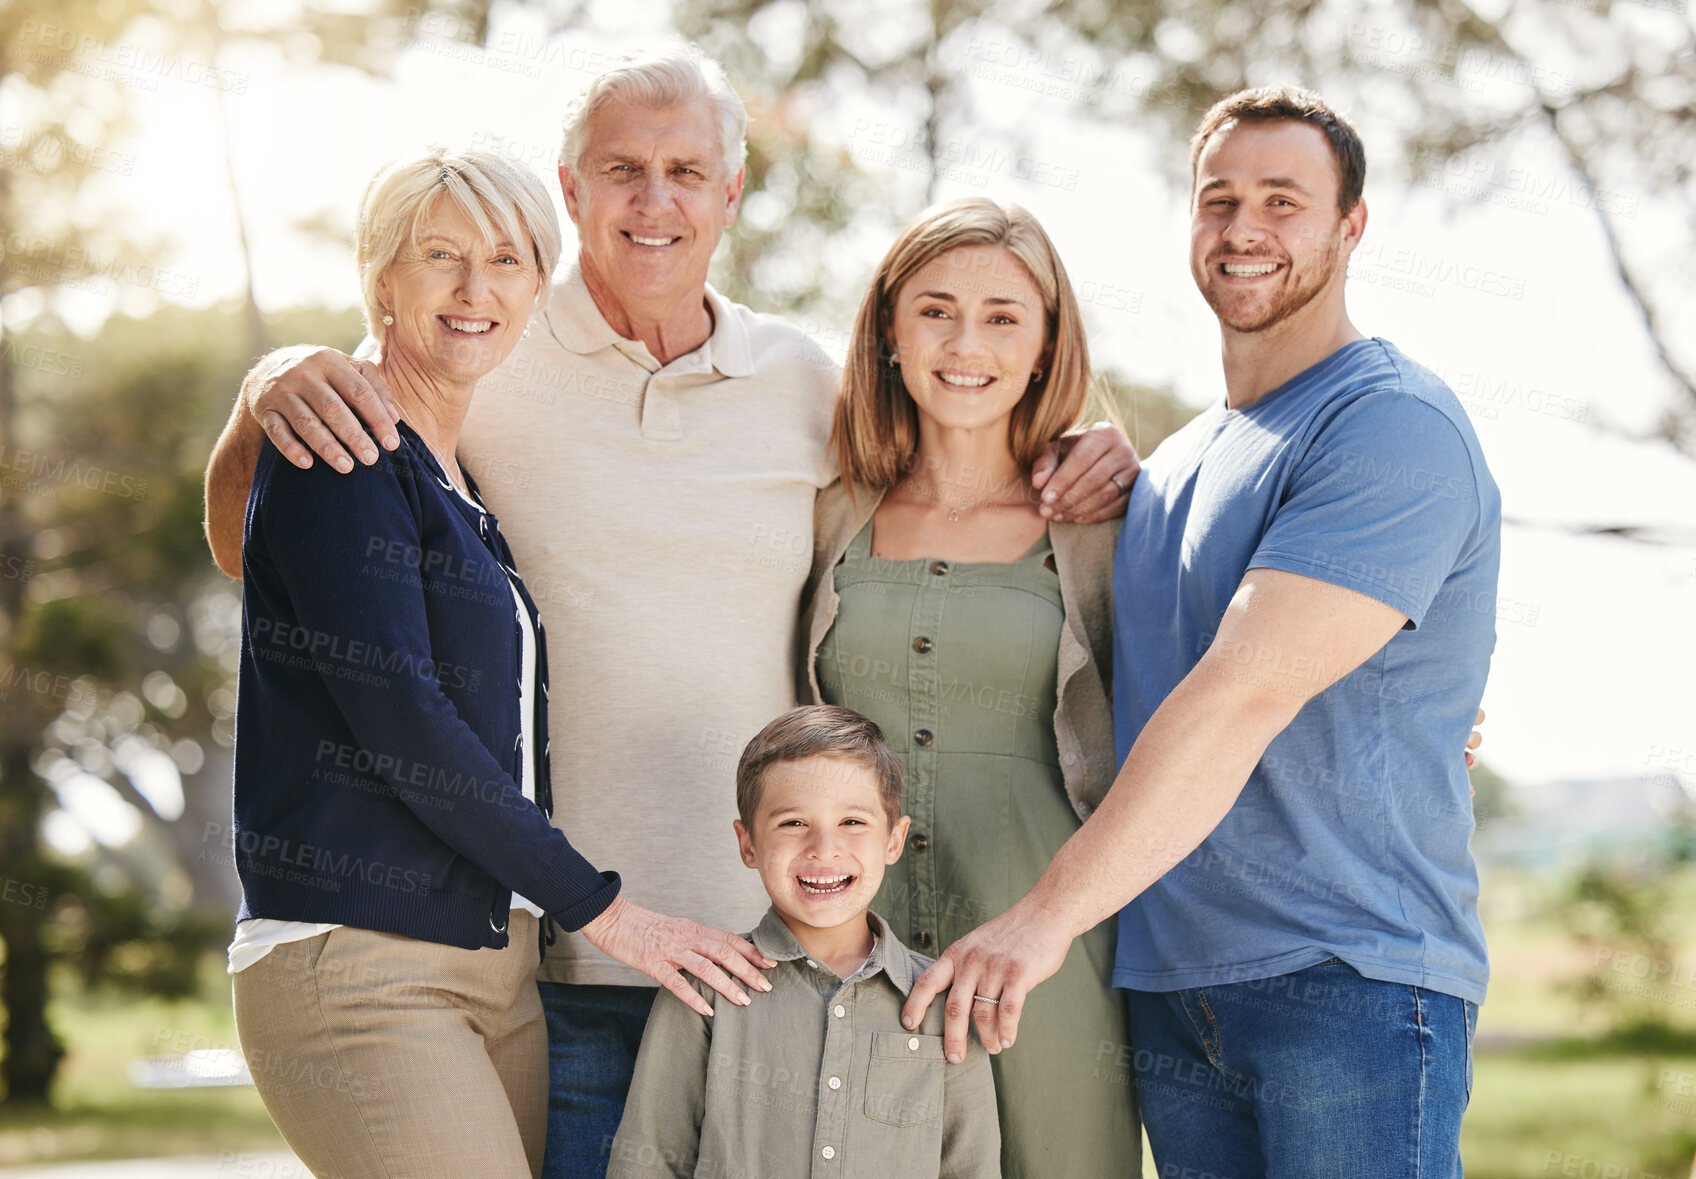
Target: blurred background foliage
119	640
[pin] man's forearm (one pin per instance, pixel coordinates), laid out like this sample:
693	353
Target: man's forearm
1197	751
229	475
229	472
1184	773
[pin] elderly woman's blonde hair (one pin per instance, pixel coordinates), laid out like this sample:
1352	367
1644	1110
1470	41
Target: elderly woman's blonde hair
503	200
876	429
669	76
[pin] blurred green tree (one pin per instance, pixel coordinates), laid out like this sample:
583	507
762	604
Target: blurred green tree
118	685
1603	90
48	154
102	567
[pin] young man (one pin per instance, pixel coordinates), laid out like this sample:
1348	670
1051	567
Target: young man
1304	615
818	1077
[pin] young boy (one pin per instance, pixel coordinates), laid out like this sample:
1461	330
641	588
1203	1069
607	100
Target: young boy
817	1077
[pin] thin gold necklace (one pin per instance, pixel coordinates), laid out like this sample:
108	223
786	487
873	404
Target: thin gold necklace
957	509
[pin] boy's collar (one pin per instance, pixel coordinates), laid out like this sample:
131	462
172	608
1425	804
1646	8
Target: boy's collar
773	939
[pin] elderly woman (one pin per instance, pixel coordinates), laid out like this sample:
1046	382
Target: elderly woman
391	783
978	635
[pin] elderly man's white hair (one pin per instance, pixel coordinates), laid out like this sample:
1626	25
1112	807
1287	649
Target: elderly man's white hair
665	77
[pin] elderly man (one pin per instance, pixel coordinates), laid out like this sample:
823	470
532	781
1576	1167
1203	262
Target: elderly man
1303	631
652	451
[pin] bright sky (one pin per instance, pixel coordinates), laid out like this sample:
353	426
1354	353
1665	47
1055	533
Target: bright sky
1515	306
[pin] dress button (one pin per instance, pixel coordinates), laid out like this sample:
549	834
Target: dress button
839	1011
912	1043
836	1082
920	842
922	644
923	737
921	939
829	1152
939	567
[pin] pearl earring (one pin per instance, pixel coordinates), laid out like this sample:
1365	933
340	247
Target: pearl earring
388	320
526	334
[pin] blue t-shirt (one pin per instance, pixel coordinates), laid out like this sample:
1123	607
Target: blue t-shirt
1350	838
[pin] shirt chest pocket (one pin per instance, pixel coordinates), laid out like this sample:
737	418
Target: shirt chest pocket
904	1079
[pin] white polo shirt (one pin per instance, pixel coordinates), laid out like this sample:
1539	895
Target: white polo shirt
661	517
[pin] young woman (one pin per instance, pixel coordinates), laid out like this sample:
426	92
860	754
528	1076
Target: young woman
978	635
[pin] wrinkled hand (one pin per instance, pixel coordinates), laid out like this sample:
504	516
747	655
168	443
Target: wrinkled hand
1075	475
661	946
1003	959
316	399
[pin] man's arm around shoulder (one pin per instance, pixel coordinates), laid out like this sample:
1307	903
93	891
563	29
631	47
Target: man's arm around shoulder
300	397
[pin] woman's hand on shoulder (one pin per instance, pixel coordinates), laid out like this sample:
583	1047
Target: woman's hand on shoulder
662	947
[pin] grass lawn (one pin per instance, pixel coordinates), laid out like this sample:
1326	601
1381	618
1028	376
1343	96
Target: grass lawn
97	1114
1571	1108
1555	1095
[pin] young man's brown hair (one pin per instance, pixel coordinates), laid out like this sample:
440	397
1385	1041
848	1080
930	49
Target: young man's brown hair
1275	103
818	730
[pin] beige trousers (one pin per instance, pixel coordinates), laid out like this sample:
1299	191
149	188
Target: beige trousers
390	1057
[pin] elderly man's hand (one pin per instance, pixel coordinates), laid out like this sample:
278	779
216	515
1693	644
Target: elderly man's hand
1086	477
1001	960
315	397
661	946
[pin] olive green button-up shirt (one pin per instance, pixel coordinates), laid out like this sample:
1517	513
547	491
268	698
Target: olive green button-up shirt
816	1077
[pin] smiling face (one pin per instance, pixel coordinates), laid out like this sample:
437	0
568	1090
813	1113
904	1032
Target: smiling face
459	302
969	329
650	197
1267	243
820	838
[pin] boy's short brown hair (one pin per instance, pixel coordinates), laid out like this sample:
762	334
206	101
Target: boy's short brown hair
818	730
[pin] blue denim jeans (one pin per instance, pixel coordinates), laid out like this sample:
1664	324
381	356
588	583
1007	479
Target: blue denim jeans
1316	1073
593	1035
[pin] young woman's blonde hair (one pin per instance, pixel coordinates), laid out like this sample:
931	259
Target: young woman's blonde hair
876	430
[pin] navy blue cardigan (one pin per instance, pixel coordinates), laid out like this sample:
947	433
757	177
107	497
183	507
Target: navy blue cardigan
378	739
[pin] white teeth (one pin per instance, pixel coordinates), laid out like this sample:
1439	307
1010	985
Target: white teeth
468	325
965	380
823	883
1250	268
651	241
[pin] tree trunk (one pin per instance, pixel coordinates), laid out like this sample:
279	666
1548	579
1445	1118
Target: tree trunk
32	1052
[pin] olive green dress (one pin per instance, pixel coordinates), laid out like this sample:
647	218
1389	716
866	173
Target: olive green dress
957	664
